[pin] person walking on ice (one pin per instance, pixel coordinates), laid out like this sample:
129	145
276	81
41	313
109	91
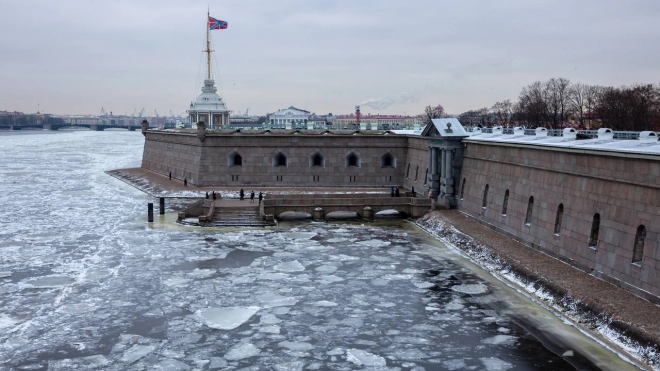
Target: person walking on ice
252	196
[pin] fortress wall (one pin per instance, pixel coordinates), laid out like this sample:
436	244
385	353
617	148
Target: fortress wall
209	162
418	158
624	191
179	154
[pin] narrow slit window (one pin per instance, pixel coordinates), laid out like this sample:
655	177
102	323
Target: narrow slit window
485	200
530	208
638	249
463	189
505	203
558	218
595	229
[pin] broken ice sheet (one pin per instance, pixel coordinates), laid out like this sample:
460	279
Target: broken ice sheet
225	318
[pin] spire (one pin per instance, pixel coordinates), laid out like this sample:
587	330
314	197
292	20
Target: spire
208	47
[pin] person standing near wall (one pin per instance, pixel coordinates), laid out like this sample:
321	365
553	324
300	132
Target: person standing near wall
396	192
392	192
185	182
252	196
170	175
242	194
261	197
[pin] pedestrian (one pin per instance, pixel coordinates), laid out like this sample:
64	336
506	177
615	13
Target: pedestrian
252	196
242	194
170	175
396	191
261	197
185	182
207	195
214	195
392	192
413	191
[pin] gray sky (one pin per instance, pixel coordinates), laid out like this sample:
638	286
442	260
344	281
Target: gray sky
76	56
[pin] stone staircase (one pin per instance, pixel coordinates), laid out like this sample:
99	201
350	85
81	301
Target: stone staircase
248	216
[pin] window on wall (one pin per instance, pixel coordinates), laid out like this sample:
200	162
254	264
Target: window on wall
638	249
485	200
317	160
352	160
505	203
595	229
558	218
235	159
463	188
530	208
387	160
279	160
426	176
408	171
416	172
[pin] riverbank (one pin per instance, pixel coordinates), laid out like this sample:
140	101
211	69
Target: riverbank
619	317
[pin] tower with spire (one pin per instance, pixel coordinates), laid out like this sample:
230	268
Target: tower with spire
209	106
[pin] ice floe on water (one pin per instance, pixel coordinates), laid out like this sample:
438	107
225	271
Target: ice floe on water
227	318
290	266
476	288
242	351
363	358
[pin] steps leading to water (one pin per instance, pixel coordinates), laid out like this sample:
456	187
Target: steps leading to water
238	217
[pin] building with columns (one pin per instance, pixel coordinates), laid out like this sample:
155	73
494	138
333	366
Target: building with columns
445	156
209	107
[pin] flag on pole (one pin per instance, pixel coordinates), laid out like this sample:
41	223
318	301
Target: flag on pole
216	24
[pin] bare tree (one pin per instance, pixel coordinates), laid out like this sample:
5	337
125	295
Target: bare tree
431	113
503	110
556	95
577	102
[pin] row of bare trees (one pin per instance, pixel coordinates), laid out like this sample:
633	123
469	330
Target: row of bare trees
558	103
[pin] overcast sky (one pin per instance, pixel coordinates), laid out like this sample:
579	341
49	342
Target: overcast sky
76	56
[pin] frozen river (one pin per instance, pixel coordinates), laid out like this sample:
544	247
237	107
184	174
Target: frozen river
85	283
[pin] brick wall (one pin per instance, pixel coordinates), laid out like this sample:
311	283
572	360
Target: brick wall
624	191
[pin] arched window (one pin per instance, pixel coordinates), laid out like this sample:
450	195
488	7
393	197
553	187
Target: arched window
558	218
485	201
387	160
235	159
317	160
463	189
505	203
279	160
352	160
595	229
530	207
638	249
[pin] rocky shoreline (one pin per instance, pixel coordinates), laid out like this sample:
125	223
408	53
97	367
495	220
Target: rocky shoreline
607	312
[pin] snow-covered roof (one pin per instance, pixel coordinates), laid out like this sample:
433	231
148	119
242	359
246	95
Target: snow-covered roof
446	127
647	144
209	100
407	131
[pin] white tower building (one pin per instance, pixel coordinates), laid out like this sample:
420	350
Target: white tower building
209	106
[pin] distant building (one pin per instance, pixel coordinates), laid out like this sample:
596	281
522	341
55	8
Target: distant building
381	122
289	118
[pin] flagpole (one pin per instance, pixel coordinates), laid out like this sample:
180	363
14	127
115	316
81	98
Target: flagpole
208	48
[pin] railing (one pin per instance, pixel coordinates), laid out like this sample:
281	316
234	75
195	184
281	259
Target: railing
559	132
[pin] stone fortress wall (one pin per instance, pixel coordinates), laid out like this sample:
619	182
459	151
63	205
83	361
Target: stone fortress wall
596	210
288	159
